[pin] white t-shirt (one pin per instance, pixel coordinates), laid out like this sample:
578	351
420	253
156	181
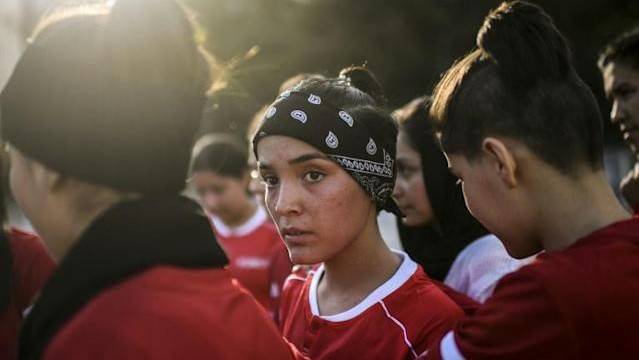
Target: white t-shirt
478	267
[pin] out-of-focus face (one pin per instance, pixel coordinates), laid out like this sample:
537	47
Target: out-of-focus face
256	187
410	190
504	213
318	208
23	185
28	183
621	83
222	196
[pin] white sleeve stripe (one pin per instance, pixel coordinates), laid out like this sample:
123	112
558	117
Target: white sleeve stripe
449	349
294	277
408	343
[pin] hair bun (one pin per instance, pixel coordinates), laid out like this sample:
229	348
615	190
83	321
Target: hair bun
524	43
364	80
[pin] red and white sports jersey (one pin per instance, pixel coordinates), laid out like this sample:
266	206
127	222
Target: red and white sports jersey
577	303
258	258
398	320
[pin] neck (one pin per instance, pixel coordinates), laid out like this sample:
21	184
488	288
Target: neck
71	220
247	210
356	271
577	210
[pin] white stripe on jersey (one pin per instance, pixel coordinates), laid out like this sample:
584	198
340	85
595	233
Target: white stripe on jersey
449	349
408	343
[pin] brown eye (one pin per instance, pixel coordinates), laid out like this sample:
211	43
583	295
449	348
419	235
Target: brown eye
313	176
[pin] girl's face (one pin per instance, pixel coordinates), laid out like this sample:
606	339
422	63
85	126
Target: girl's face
410	190
317	206
222	196
622	88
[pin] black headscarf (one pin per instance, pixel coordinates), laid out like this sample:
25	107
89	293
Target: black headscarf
436	246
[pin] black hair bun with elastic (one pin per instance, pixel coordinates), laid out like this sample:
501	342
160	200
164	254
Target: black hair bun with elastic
365	81
524	43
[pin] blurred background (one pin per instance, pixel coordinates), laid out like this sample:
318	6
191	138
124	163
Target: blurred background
406	43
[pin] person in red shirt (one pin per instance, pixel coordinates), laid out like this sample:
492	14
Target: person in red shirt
523	133
326	152
100	115
619	65
257	255
25	265
28	266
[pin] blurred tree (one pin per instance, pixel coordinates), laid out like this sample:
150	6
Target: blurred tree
407	43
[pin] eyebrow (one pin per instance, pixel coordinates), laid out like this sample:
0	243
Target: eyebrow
298	160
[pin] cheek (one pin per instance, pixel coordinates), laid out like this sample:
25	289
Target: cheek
340	213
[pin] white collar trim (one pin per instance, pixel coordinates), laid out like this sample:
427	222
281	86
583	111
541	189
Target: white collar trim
254	222
406	269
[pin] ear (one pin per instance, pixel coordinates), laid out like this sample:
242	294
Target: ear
502	159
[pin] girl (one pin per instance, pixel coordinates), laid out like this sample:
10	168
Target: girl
427	193
523	133
100	114
257	255
326	151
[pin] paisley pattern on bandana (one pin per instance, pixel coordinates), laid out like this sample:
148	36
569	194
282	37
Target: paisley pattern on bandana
337	133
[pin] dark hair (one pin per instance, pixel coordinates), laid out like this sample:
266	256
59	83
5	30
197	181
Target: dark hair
222	154
111	95
624	49
454	227
520	83
358	92
290	82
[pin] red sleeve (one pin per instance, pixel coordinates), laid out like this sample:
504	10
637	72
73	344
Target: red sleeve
32	265
468	305
520	321
280	269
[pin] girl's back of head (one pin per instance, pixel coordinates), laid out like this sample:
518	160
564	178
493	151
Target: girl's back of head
520	84
111	95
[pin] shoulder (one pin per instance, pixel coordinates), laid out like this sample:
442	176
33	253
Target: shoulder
299	279
26	245
420	294
167	301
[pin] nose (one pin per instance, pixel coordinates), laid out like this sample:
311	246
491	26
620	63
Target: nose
398	190
288	199
616	113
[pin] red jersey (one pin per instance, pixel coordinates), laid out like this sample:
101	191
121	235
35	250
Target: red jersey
577	303
170	313
31	268
257	257
385	325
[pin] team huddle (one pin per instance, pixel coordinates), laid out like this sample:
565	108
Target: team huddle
270	247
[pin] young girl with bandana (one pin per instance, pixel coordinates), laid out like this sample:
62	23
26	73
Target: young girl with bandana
326	151
100	115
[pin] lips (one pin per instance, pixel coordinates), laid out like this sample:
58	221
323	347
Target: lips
294	234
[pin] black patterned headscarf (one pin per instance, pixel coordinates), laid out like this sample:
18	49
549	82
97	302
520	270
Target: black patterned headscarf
341	136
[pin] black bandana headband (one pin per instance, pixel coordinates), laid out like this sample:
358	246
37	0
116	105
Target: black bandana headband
339	135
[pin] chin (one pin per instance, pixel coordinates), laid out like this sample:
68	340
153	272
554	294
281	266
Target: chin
304	257
522	251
